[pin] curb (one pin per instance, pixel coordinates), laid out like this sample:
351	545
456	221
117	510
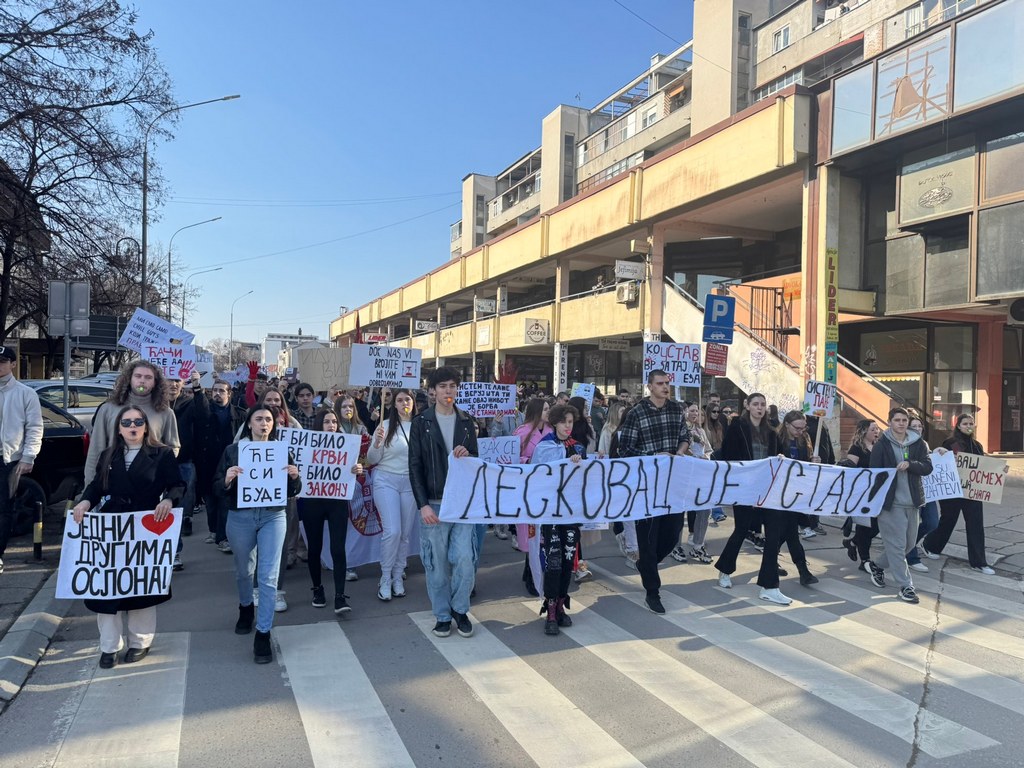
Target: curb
29	637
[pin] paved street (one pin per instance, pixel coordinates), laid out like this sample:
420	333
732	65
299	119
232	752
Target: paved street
847	675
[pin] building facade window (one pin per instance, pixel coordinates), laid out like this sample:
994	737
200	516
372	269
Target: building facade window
788	79
780	39
989	55
1004	159
1001	251
913	85
851	110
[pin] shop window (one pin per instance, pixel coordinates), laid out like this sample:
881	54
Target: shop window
901	350
953	347
851	110
1012	357
989	57
1001	251
913	86
951	393
904	274
1004	159
947	265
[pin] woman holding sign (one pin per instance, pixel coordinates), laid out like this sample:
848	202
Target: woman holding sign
136	473
258	531
961	441
535	428
392	494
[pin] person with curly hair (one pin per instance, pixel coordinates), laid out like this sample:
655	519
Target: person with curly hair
141	384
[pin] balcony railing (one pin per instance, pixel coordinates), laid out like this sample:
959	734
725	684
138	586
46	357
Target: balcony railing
513	196
928	14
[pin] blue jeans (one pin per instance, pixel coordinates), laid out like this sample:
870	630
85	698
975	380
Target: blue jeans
929	522
256	537
481	536
448	551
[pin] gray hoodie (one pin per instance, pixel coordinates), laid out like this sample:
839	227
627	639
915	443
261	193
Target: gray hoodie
903	497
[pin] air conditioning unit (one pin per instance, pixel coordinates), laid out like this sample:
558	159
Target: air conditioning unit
1015	314
626	293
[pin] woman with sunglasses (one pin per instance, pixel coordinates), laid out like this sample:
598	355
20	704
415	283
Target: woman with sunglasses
392	494
258	531
135	473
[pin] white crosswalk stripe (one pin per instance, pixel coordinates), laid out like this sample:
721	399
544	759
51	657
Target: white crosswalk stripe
950	626
889	711
521	699
747	730
345	721
978	601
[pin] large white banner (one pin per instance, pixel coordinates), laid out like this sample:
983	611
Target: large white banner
264	478
378	366
114	555
620	490
325	461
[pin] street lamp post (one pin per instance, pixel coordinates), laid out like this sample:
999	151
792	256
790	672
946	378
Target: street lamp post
231	333
184	289
170	291
145	181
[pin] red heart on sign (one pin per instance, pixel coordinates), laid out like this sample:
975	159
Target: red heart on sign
150	523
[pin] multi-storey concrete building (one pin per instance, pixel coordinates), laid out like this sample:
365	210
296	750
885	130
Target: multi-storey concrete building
852	172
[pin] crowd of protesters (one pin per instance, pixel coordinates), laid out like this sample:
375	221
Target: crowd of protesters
158	443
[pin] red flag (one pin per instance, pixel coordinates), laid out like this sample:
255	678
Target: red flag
359	332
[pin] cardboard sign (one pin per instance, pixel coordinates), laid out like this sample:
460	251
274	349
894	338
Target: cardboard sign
264	478
204	364
176	361
586	391
482	399
146	327
819	399
982	477
716	359
944	481
322	367
325	461
499	450
109	556
377	366
680	361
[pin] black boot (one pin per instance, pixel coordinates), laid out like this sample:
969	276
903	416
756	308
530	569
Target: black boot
262	653
561	616
551	622
528	579
246	616
806	577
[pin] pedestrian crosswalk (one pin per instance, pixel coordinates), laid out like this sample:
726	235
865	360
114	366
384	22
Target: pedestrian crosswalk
846	676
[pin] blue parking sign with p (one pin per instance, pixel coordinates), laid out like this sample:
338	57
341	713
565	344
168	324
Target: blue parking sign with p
719	318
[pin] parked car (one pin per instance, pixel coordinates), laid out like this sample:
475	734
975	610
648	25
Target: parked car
59	468
84	396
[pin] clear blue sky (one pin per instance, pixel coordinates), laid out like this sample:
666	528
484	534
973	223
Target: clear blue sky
349	102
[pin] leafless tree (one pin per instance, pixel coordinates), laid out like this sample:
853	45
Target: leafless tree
78	86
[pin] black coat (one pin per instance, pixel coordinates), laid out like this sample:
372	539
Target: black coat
428	455
230	459
920	464
189	416
153	475
212	436
737	445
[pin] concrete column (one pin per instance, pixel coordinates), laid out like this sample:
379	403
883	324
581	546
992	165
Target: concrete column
819	319
654	291
989	384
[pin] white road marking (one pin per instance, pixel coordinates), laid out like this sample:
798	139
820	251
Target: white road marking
342	715
549	727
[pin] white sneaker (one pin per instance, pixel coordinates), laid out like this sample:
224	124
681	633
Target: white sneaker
398	584
582	573
280	604
929	555
678	553
774	596
620	538
631	563
919	567
501	532
986	569
255	596
351	575
725	580
211	539
384	589
807	533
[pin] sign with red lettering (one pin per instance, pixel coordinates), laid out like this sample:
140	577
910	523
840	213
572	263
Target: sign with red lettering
716	359
982	477
325	461
832	294
819	399
680	361
175	361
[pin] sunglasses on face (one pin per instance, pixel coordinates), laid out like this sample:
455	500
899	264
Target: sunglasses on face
716	411
133	422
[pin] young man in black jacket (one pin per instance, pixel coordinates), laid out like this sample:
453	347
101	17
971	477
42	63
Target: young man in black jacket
219	422
448	550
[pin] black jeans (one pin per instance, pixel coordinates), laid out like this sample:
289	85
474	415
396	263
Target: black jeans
559	543
862	538
743	517
313	513
974	523
656	537
6	505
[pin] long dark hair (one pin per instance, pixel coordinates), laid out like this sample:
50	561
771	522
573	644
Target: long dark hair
247	429
318	419
122	387
582	432
395	418
355	420
762	431
118	446
967	442
861	434
534	413
803	440
713	425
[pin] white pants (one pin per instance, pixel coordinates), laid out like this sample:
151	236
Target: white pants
141	629
392	495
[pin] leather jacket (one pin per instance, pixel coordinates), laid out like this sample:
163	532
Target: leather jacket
428	455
